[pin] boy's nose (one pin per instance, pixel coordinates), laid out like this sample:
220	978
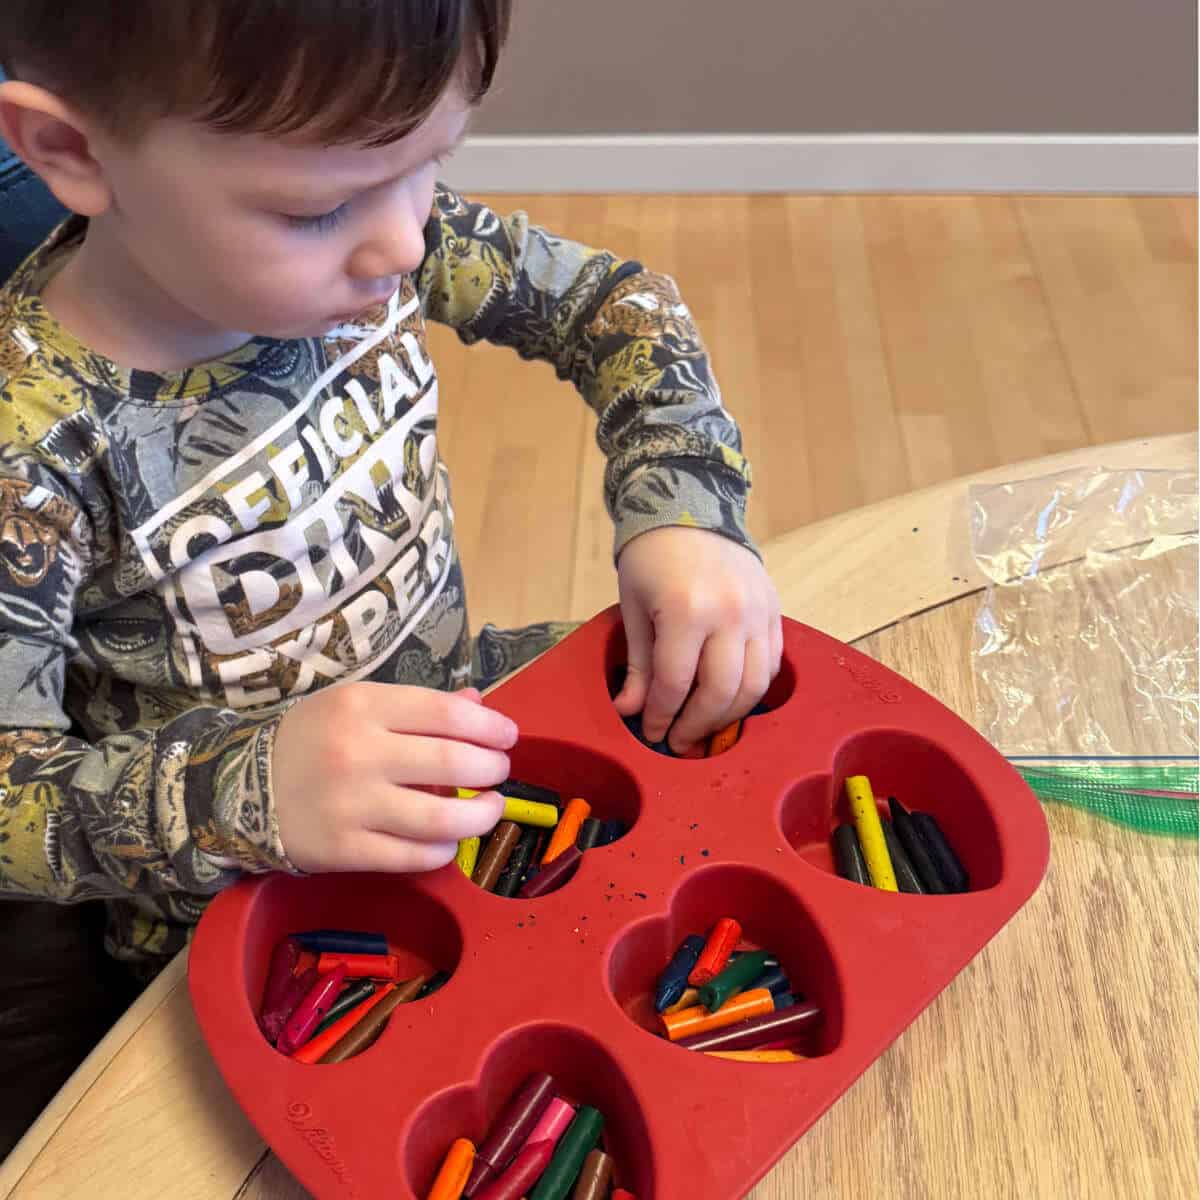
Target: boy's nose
393	249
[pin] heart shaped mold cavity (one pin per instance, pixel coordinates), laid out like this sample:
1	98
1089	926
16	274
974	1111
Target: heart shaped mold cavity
772	919
921	776
615	661
423	935
573	771
584	1073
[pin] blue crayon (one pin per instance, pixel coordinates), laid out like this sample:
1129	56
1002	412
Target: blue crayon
611	831
672	983
783	1000
774	980
342	941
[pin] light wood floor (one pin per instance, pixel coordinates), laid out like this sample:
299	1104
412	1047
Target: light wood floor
867	345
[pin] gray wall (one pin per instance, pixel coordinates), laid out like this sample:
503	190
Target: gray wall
847	66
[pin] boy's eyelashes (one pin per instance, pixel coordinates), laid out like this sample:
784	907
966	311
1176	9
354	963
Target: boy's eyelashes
320	222
329	221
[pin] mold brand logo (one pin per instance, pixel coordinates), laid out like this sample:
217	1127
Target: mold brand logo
320	1141
867	681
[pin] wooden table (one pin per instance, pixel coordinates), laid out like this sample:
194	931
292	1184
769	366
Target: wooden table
1062	1063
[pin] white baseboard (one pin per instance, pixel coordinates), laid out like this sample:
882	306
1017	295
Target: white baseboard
827	163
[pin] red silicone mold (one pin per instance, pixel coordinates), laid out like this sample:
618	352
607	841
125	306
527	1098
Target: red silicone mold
562	983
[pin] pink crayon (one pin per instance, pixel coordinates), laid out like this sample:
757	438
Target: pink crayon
311	1010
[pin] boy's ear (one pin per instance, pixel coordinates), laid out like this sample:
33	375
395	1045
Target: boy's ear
55	141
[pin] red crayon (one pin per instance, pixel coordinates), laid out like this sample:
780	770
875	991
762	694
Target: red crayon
527	1168
362	966
722	942
279	984
298	988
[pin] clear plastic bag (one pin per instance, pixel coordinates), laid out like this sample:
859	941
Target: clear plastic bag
1086	643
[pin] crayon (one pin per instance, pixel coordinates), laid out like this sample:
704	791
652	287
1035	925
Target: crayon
594	1179
589	833
362	966
553	1123
725	935
308	1013
771	961
757	1032
307	959
724	739
280	974
530	812
567	830
518	790
574	1147
300	986
350	997
495	858
510	1130
689	999
518	861
557	873
452	1177
434	983
673	981
951	870
468	855
315	1049
755	1056
342	941
774	980
698	1020
612	831
848	855
366	1032
915	848
870	833
527	1168
906	875
736	977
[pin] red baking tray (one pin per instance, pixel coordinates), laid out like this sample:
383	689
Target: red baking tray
562	983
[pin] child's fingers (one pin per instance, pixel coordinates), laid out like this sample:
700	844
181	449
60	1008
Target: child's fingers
370	851
676	653
412	710
639	643
775	640
416	760
426	818
718	682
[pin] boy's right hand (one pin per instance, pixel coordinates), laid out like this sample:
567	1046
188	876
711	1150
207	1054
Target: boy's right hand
349	763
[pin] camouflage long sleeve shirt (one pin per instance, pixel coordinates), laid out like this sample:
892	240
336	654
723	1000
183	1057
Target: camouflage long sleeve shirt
182	555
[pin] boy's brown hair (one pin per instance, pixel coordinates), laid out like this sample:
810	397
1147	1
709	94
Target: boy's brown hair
332	71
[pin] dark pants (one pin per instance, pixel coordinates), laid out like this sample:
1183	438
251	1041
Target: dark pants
59	994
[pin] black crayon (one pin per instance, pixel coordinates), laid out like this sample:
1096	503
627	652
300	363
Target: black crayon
849	856
589	833
907	879
514	870
953	873
914	847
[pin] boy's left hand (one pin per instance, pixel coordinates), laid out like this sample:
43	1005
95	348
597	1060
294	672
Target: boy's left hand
697	607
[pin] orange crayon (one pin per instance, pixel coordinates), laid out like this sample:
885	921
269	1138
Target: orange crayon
314	1050
567	829
754	1003
452	1178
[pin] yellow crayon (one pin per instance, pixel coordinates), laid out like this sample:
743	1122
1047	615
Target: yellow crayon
465	793
756	1056
530	812
689	999
468	855
870	833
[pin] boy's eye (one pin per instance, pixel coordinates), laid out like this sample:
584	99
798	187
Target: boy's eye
320	223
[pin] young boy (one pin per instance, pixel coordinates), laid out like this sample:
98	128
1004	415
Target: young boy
220	489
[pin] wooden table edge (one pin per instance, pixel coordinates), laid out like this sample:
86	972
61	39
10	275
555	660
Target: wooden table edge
945	578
